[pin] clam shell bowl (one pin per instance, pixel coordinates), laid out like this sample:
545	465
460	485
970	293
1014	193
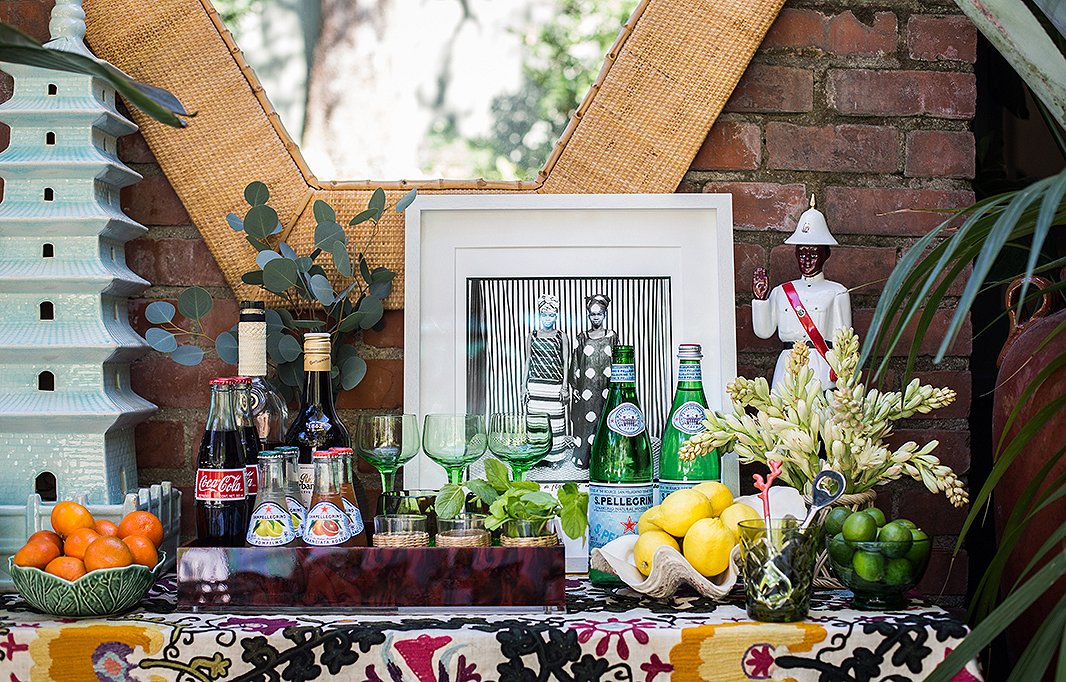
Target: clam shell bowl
103	592
669	570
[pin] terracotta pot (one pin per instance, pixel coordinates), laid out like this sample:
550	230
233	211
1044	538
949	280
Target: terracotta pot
1024	356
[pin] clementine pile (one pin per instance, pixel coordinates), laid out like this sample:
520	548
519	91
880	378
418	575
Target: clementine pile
78	543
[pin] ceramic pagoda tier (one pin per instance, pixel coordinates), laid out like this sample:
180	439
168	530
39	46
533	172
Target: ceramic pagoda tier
66	406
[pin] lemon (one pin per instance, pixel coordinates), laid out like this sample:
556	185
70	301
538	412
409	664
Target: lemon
718	494
681	509
737	512
647	543
708	545
649	520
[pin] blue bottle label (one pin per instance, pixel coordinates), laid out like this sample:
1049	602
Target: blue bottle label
270	526
689	418
689	373
623	373
626	419
354	516
667	487
326	525
615	509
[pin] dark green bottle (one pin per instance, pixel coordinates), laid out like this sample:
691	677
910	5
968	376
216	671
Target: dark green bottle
620	467
686	420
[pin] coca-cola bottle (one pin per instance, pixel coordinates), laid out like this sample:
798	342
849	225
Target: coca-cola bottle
220	505
242	413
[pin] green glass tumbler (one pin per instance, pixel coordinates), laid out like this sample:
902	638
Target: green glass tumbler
778	567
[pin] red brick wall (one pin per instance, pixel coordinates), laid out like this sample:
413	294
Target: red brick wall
867	108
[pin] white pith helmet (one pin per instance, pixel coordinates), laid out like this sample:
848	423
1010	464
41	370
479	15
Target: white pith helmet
812	229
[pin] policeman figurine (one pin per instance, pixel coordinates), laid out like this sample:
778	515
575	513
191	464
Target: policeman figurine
808	309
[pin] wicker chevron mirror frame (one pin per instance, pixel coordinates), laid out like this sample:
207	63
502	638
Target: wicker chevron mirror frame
662	86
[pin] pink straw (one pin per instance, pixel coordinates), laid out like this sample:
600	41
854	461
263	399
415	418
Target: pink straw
764	486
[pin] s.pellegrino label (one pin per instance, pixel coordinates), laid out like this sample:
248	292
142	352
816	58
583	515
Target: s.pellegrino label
270	526
626	420
615	509
354	516
326	525
689	417
297	512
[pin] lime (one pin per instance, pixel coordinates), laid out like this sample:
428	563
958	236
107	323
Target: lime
870	566
896	538
919	550
876	514
840	550
906	522
834	523
860	528
899	572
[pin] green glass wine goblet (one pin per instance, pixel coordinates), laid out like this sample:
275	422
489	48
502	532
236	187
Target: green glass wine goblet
519	440
387	442
454	441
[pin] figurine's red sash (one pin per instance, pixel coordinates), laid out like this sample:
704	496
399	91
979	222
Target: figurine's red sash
805	319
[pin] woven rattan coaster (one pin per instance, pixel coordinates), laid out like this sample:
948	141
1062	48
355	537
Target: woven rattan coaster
401	539
537	541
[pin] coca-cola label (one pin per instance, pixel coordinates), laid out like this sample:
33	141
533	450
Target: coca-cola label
626	419
213	485
251	479
326	525
689	418
354	515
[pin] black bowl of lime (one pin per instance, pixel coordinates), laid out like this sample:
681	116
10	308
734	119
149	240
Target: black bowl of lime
878	560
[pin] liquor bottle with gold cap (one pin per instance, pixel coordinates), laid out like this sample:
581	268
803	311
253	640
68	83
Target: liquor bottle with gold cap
316	425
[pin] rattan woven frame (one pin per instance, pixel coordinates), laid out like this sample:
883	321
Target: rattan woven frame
662	86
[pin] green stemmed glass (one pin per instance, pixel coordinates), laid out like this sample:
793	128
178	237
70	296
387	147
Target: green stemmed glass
387	441
519	440
454	441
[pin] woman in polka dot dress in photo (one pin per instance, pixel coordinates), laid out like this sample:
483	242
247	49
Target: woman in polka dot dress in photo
590	376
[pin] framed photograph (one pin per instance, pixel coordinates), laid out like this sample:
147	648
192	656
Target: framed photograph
514	301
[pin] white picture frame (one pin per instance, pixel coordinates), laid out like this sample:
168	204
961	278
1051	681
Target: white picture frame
453	238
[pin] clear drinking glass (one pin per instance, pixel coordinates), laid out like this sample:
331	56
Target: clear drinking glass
403	530
387	441
454	441
519	440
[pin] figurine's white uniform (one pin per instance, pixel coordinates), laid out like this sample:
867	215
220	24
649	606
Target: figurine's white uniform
829	306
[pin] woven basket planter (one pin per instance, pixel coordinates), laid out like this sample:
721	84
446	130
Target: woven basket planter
823	576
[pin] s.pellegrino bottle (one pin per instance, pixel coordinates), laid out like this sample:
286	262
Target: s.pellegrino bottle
316	425
220	506
327	524
351	501
620	466
686	420
242	412
269	410
270	524
293	497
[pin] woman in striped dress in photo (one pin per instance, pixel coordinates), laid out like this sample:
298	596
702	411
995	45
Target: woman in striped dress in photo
546	392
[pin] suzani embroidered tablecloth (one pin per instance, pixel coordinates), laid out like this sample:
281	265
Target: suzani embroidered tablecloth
602	636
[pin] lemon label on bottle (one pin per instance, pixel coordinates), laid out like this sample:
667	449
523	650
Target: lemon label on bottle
689	418
615	509
326	525
354	516
297	512
626	419
270	526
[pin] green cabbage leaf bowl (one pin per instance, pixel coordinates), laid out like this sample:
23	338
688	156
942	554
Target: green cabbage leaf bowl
103	592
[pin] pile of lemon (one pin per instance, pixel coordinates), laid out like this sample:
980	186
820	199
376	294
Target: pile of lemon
700	522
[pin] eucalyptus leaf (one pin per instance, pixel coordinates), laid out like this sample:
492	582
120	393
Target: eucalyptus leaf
315	254
353	370
161	340
351	322
287	251
194	303
291	373
256	193
159	312
187	355
285	315
364	270
341	261
235	222
278	228
328	233
450	501
497	474
345	351
273	320
322	290
260	221
265	257
254	277
303	263
377	202
363	216
380	290
272	346
406	200
257	244
381	275
372	310
279	275
308	324
226	347
324	213
289	348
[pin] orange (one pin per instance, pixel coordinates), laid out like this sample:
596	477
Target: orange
142	549
48	536
36	553
78	541
68	517
107	553
142	523
66	567
106	528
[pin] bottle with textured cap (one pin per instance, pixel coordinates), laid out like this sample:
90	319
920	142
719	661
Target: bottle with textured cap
242	405
316	425
269	411
620	466
686	420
